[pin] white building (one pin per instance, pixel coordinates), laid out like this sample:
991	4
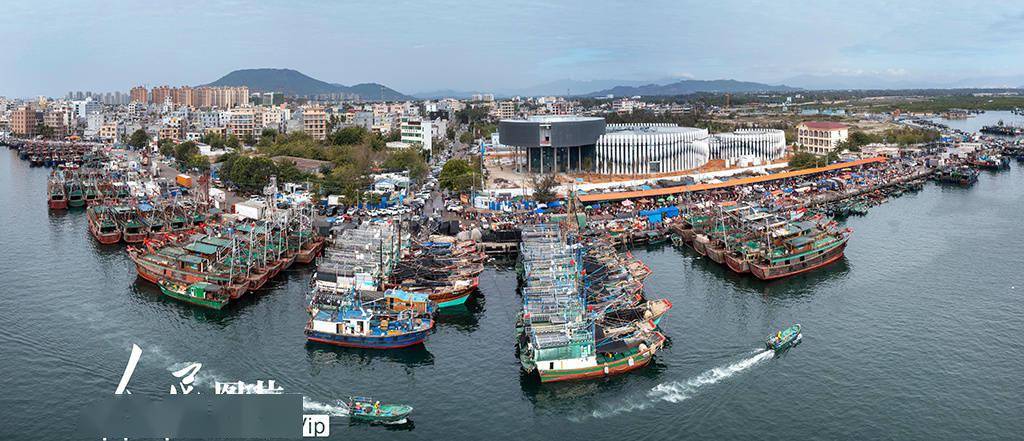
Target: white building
637	149
417	132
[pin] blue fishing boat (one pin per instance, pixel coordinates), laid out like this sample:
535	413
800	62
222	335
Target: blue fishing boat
784	339
373	325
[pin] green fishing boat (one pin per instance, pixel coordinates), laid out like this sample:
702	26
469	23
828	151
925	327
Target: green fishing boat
203	294
366	409
784	339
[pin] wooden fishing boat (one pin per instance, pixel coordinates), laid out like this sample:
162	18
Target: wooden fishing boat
202	294
801	247
618	359
103	225
133	230
58	198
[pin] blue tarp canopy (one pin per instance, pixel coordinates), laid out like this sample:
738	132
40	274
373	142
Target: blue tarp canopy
554	204
145	207
408	296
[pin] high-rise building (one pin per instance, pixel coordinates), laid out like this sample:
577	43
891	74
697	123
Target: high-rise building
24	121
139	94
314	122
160	94
55	120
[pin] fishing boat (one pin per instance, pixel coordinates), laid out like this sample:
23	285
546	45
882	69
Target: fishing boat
991	162
798	247
103	224
368	409
962	176
614	358
651	310
784	339
133	229
201	259
358	325
75	194
206	295
155	224
447	295
58	198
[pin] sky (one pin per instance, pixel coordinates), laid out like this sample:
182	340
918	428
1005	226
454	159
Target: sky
53	47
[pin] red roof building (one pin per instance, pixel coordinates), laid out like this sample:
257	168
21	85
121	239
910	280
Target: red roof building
820	137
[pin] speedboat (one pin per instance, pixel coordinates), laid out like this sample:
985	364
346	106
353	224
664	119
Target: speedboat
784	339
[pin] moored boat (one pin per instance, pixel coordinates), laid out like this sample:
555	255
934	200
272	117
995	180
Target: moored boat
103	225
801	246
202	294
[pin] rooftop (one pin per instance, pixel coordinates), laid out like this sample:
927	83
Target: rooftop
553	119
824	125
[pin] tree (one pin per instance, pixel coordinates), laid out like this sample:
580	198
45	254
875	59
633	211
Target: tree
139	139
248	139
268	134
544	188
185	151
407	159
45	131
232	142
165	146
248	173
348	136
214	140
457	175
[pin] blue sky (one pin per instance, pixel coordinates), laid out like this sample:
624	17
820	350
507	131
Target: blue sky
424	45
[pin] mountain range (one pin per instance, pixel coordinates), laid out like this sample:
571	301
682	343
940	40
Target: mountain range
295	83
685	87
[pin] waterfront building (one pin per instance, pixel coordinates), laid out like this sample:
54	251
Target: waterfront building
555	144
25	121
820	137
417	132
636	149
56	120
576	144
314	122
763	144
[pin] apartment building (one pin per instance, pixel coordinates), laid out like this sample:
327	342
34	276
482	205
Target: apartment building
314	122
25	121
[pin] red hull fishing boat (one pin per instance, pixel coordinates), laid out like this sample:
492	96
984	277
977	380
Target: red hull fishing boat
102	225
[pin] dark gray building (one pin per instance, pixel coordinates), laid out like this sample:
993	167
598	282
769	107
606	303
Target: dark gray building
554	144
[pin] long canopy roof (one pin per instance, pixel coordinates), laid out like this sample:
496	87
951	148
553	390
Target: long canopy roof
658	192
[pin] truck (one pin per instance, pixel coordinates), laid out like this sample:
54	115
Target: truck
184	180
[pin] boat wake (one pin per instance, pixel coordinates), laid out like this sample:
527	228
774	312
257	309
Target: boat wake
678	391
338	409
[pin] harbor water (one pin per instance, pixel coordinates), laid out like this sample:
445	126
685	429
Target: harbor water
917	334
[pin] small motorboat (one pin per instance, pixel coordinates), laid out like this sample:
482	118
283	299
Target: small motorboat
784	339
366	409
